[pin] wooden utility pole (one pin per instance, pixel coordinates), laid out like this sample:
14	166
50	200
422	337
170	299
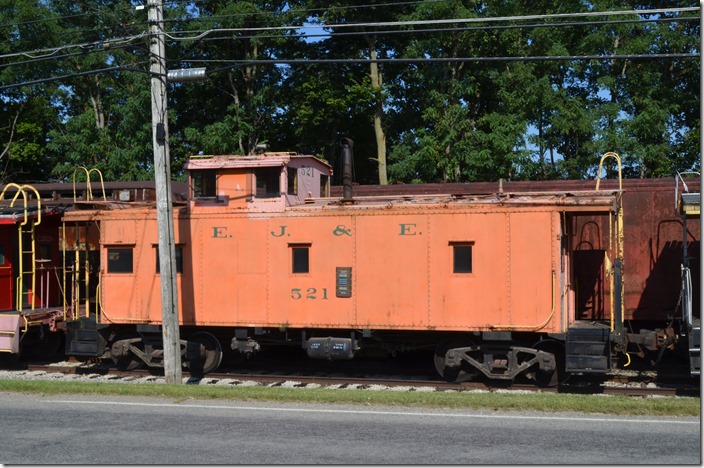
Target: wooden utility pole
162	173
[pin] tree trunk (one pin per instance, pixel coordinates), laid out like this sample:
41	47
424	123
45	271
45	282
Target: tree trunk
97	102
376	80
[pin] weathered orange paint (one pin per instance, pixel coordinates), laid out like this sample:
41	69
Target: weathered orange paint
237	258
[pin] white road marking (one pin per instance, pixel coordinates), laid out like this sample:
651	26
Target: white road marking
376	412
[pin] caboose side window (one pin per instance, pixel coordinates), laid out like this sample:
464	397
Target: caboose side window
268	182
461	257
44	252
204	184
300	258
324	186
179	259
292	181
120	259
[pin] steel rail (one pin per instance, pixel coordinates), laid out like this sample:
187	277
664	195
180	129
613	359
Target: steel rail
622	386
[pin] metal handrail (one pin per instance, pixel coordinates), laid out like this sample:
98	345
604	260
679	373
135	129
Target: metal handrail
610	154
23	189
89	187
687	295
678	178
617	265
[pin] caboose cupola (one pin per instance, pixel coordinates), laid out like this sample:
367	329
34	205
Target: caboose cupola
266	182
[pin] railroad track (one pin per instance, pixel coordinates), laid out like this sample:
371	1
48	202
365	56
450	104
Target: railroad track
619	385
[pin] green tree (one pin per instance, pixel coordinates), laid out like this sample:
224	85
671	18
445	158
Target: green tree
472	125
239	106
458	120
371	81
26	114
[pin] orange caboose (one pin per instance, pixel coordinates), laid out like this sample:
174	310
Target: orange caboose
265	256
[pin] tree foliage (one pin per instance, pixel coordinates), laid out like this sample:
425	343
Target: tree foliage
486	109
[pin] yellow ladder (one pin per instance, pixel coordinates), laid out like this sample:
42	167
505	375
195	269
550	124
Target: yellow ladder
80	273
27	257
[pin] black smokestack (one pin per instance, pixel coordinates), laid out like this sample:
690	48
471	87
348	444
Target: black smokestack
346	144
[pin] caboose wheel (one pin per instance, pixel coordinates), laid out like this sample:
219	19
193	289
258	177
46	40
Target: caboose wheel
204	352
553	378
126	363
123	359
461	373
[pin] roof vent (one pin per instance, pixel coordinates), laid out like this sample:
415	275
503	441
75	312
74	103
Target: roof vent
261	148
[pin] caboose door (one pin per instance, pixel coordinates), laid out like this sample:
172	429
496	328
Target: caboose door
6	271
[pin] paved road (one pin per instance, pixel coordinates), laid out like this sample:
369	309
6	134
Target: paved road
73	429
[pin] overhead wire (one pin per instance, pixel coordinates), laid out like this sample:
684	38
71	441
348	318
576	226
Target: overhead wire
96	12
238	63
127	39
186	2
78	74
65	17
492	19
100	46
466	28
462	29
49	51
57	57
304	10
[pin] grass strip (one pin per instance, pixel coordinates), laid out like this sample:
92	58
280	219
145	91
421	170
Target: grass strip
509	401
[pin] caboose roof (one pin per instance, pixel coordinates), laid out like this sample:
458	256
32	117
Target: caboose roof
253	160
13	215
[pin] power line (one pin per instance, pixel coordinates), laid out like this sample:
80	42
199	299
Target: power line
64	17
457	29
205	33
57	57
239	63
51	51
463	29
99	12
75	75
305	10
48	52
124	41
